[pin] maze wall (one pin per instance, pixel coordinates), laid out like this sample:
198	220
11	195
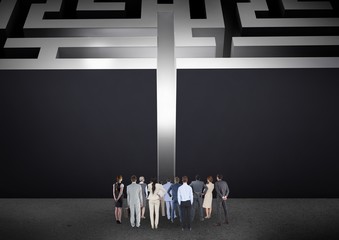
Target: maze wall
257	94
61	34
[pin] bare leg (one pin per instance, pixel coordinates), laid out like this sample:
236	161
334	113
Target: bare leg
143	212
119	214
116	214
210	212
206	209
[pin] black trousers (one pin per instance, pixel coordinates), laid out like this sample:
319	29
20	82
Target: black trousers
186	207
221	206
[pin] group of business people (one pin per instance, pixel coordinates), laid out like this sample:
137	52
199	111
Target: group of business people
180	199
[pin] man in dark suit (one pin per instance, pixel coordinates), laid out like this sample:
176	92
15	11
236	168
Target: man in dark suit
199	188
222	191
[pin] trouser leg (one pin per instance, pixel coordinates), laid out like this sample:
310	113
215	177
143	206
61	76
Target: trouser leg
225	211
193	207
175	207
162	207
189	215
183	215
132	217
137	214
168	209
219	205
200	208
151	212
157	206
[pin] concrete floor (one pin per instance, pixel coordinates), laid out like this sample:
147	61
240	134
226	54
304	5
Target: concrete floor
66	219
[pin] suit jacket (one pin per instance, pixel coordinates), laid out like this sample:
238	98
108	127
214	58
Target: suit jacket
158	193
221	189
173	191
134	194
198	187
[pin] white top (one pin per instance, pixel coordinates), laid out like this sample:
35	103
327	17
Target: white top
185	193
158	193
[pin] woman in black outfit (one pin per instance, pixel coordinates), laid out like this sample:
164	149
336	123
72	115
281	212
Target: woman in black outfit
118	189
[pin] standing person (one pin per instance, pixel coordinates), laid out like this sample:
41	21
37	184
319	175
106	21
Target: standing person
156	192
207	204
118	189
168	199
173	192
162	204
134	201
185	200
222	191
199	189
144	195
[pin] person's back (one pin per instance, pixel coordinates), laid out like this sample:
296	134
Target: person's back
221	188
134	191
198	187
134	200
222	191
174	189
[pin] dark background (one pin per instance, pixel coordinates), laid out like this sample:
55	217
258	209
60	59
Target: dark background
68	133
270	132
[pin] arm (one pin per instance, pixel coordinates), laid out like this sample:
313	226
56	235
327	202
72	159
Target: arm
169	191
146	191
140	197
204	189
114	193
121	191
128	197
227	191
179	196
191	195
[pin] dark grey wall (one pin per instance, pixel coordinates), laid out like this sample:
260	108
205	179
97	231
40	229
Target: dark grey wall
271	133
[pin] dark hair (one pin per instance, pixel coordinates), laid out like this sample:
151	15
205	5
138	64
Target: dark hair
219	176
176	180
154	181
210	178
133	178
184	179
197	177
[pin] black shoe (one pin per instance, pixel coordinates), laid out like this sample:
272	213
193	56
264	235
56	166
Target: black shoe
226	222
119	222
217	224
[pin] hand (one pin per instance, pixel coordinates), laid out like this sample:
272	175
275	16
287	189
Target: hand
224	198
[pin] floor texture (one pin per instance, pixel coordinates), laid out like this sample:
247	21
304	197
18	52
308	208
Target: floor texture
72	219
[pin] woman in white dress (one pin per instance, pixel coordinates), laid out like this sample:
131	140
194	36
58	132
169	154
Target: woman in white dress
207	204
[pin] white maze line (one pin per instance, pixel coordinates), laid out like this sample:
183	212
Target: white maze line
165	39
166	96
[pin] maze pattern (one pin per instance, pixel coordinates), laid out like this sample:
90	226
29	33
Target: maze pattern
123	33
